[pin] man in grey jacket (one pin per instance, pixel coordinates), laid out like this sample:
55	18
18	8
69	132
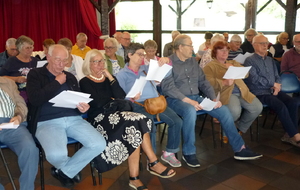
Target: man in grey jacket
182	88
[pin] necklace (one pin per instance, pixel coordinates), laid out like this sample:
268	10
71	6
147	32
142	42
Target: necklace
95	78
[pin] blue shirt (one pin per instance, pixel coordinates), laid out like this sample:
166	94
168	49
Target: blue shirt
262	75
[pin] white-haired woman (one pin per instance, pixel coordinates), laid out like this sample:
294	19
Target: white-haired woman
114	62
125	132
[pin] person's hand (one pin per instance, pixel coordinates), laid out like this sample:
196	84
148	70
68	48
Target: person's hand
16	119
61	78
218	105
21	79
107	74
163	60
228	82
194	103
137	96
83	107
277	85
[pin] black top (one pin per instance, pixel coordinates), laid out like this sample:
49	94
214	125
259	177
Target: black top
101	92
247	47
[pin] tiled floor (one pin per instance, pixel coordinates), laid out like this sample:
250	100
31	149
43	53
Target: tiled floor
278	169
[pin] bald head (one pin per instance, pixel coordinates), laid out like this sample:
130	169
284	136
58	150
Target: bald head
296	42
260	44
118	36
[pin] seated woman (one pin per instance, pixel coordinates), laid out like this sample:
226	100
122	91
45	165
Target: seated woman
114	62
234	93
17	67
150	49
74	64
133	70
281	46
46	44
125	132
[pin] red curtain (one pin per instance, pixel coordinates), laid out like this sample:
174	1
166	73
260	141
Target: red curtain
112	20
48	19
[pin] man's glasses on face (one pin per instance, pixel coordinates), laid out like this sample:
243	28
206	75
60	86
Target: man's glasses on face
263	43
59	60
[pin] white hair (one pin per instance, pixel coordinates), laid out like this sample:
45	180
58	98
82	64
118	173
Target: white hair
11	41
217	37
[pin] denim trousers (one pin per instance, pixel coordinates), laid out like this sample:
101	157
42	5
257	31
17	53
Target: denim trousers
243	113
189	115
20	141
286	108
174	123
52	135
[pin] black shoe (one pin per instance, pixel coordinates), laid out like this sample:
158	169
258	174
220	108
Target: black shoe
64	180
247	154
191	160
77	178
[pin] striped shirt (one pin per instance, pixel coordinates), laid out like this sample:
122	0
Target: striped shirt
233	54
7	106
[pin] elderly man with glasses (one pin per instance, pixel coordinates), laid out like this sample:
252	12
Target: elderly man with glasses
125	41
235	47
10	50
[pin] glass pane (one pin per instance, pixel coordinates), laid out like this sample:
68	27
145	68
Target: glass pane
139	19
297	21
272	12
141	37
224	15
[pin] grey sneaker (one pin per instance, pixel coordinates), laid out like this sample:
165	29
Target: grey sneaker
171	159
285	138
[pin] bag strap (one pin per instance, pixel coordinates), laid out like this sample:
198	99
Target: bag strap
152	83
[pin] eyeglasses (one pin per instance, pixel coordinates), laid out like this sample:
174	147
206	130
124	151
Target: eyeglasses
59	60
285	39
223	50
96	62
13	49
298	42
109	47
188	45
128	39
237	42
263	43
141	54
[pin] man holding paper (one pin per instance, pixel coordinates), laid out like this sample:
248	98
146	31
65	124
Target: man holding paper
234	93
13	110
52	125
264	82
182	88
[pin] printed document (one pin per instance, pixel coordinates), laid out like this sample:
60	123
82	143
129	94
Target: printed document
137	87
10	125
70	99
156	72
236	72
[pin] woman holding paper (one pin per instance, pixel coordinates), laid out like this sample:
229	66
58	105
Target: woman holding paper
234	93
132	71
125	132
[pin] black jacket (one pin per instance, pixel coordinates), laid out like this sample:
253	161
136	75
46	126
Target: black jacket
40	90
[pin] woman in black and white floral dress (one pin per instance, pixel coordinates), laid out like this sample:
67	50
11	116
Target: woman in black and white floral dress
125	132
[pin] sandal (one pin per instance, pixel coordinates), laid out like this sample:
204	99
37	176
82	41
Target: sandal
163	174
134	187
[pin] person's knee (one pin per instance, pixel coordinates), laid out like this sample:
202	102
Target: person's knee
56	157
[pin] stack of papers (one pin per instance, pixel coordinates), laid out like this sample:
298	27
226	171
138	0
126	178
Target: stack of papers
207	104
241	58
41	63
70	99
236	72
8	126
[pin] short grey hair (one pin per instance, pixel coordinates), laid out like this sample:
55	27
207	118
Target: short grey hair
257	36
250	30
179	40
132	48
216	37
21	40
51	48
175	33
87	61
112	40
10	41
81	34
236	37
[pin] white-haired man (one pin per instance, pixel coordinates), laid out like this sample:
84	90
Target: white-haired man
10	50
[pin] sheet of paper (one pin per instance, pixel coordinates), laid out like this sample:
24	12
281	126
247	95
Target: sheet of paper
137	87
41	63
236	72
156	72
207	104
70	99
8	126
241	58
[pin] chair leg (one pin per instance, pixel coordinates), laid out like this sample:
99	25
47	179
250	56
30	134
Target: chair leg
275	118
203	123
41	164
92	166
100	178
213	132
7	170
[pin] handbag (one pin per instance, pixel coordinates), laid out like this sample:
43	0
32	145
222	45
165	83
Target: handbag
156	105
117	105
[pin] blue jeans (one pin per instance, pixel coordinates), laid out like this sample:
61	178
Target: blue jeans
243	112
189	115
52	135
174	130
20	141
286	108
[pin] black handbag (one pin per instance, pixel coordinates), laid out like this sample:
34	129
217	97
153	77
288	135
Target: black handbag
117	105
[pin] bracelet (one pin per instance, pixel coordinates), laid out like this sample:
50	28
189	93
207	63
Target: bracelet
112	82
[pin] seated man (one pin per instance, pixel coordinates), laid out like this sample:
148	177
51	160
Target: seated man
282	45
52	125
10	50
235	47
80	48
13	109
182	88
291	59
264	82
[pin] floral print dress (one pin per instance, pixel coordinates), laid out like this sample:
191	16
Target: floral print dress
123	131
